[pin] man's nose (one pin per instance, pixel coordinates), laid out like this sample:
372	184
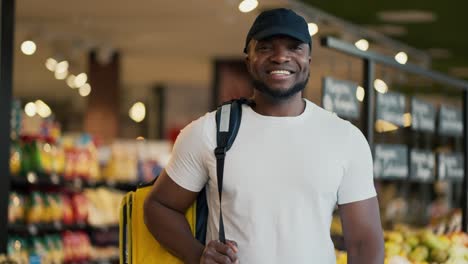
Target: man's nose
280	55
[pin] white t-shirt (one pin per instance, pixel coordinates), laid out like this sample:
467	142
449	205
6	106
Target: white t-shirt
283	177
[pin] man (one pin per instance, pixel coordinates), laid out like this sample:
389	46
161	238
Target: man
290	164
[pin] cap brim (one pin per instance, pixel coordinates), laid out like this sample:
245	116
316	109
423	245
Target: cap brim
276	31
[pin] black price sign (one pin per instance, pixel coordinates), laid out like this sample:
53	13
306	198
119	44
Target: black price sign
450	121
423	115
450	166
422	165
390	161
340	97
391	108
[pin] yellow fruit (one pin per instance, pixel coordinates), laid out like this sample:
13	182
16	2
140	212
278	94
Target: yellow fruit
420	253
392	248
395	237
412	240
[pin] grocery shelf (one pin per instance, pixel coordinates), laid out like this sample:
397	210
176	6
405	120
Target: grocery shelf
33	179
105	261
34	229
97	261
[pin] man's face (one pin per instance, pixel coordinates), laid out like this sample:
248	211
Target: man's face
279	65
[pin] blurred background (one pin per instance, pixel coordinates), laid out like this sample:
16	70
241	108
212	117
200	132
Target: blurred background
94	93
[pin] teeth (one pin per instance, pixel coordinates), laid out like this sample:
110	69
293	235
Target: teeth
280	72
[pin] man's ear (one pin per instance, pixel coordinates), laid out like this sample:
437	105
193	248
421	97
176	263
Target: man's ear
247	62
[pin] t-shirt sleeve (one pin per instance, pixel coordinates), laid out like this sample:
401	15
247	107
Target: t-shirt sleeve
187	165
358	180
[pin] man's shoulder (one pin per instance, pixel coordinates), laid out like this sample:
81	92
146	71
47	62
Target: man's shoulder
203	123
326	119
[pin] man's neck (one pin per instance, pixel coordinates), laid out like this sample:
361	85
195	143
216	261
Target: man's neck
293	106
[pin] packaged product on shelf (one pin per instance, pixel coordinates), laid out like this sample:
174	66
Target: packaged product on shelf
104	253
52	208
135	161
152	158
54	249
77	246
67	208
35	208
122	165
83	163
16	208
17	249
70	163
58	159
38	248
103	206
80	158
80	207
15	158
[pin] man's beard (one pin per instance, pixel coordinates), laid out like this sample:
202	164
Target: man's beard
280	94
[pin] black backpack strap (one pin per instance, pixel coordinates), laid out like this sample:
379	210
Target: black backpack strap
228	118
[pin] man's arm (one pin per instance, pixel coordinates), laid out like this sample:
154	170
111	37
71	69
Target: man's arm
164	212
362	231
165	208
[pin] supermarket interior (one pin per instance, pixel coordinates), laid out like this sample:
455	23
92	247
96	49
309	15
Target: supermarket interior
94	93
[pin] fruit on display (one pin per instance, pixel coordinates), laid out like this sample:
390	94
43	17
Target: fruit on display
424	246
404	245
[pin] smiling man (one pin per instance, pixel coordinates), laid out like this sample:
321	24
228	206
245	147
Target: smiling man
292	162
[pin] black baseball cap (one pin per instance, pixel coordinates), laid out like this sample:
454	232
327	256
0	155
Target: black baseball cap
280	21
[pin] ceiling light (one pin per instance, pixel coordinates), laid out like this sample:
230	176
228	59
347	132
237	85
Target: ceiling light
62	67
313	29
248	5
61	75
28	47
362	44
30	109
81	79
85	90
71	81
42	109
407	16
51	64
137	112
401	57
360	93
380	86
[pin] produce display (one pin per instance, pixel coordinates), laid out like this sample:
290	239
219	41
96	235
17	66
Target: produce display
421	246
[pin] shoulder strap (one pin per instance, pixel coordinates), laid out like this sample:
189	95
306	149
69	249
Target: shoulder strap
228	118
